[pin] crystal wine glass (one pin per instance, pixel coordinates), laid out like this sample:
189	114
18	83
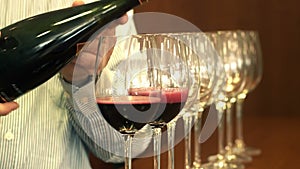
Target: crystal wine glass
191	55
229	44
167	59
125	112
210	74
253	61
201	59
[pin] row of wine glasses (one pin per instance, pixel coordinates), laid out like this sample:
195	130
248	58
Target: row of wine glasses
241	55
158	79
151	85
230	48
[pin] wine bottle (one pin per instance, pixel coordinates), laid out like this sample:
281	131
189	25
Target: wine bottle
35	49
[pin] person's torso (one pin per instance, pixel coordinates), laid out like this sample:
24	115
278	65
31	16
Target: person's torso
39	135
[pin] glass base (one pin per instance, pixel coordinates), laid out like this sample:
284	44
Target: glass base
230	158
250	151
241	149
222	164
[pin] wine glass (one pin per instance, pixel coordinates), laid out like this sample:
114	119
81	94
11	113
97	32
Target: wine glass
229	44
166	55
253	62
210	80
201	59
125	112
191	56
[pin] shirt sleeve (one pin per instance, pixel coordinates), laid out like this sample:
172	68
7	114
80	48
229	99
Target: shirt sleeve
102	140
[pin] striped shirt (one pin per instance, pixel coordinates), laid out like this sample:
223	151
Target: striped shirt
39	134
102	139
43	133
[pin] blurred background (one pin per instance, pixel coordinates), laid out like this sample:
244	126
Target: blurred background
271	113
278	23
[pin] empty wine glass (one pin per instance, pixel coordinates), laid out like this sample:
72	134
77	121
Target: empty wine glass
229	44
253	66
201	59
191	54
211	78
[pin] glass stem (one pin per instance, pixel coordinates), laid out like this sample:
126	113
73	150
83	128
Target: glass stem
197	146
127	150
239	123
187	140
221	132
171	136
229	127
157	146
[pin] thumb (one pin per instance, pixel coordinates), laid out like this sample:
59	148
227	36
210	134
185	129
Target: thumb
77	3
6	108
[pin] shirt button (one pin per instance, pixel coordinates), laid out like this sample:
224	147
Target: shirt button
9	136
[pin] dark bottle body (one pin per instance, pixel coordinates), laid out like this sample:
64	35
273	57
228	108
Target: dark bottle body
35	49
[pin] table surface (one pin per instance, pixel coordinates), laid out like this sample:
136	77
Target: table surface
277	136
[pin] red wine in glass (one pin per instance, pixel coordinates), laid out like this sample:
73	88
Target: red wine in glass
128	114
172	102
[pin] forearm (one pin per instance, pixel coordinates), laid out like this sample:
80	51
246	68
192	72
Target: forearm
98	163
89	123
102	140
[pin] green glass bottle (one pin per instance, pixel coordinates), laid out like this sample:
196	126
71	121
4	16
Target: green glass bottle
35	49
